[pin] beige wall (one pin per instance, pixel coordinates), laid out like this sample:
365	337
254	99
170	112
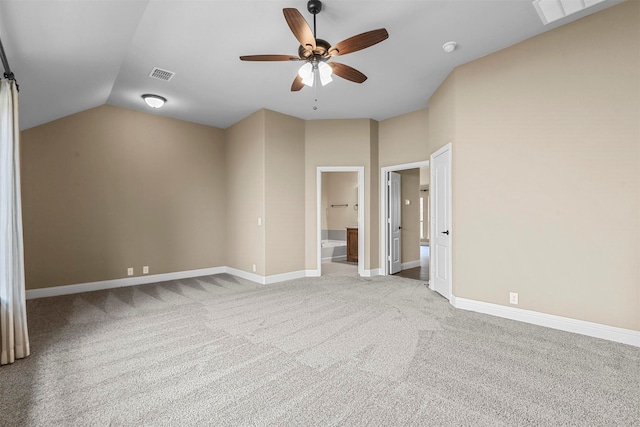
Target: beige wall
245	203
442	115
284	193
425	177
404	139
410	214
546	171
341	143
340	188
372	199
108	188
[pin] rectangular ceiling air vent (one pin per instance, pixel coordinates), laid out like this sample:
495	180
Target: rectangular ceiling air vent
160	74
552	10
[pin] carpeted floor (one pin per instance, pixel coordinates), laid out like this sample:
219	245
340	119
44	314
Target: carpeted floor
335	350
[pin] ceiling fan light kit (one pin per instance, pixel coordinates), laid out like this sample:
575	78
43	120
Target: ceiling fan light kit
318	53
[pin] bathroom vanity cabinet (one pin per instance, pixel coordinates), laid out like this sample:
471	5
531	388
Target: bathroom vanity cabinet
352	244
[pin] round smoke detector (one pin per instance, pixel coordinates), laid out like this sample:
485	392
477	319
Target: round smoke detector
449	46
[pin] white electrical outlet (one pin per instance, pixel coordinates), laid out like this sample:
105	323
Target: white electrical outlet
130	271
254	268
145	269
259	221
513	298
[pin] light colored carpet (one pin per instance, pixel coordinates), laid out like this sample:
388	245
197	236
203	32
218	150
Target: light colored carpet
334	350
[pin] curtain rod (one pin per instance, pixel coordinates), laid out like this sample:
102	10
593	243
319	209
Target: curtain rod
7	71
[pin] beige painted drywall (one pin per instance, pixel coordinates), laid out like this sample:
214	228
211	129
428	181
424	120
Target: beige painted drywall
372	200
340	188
404	139
425	176
441	115
108	188
341	143
410	214
546	171
245	202
284	193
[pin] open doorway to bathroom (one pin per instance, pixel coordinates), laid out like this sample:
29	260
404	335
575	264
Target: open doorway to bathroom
340	221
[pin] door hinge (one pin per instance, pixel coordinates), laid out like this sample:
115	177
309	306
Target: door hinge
389	258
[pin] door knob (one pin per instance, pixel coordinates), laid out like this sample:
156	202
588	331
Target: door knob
445	232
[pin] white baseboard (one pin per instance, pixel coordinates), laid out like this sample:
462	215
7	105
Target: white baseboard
597	330
275	278
410	264
156	278
246	275
119	283
371	273
312	273
267	280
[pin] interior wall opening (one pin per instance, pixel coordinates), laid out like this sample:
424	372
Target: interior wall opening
405	212
340	221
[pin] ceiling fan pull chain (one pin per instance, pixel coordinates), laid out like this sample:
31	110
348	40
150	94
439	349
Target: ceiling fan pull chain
315	93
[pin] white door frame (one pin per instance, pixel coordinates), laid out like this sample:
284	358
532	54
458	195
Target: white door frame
384	210
432	225
361	249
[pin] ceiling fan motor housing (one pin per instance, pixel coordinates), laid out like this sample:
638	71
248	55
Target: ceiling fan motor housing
320	53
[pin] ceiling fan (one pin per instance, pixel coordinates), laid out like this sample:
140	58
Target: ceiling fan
317	53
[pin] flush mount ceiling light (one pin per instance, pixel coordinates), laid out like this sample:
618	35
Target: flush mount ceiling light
449	46
154	101
552	10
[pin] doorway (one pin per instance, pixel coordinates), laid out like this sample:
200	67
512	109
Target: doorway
347	209
407	203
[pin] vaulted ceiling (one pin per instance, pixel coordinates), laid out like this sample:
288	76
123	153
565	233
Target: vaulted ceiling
71	55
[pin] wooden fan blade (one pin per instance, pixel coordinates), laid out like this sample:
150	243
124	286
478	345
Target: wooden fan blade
300	28
346	72
297	84
359	42
269	58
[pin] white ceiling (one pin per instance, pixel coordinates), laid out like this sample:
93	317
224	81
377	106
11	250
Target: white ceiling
71	55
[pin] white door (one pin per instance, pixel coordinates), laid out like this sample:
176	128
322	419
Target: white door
441	221
394	221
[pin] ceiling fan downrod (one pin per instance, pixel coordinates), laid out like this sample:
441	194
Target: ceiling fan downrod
314	7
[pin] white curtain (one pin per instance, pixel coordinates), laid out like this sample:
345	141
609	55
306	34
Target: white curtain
14	339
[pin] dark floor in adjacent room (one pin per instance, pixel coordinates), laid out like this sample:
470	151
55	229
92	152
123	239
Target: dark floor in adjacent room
421	272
